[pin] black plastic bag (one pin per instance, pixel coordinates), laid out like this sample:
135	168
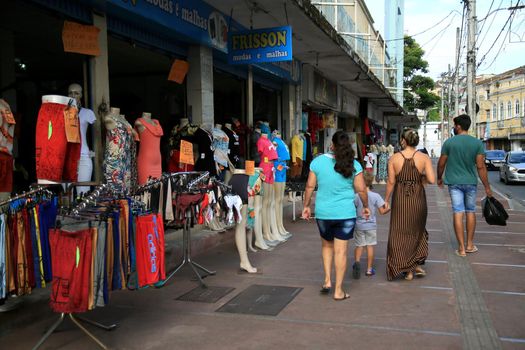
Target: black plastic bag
494	212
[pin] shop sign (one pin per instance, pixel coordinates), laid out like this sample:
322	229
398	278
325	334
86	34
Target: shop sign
325	91
260	45
193	18
80	38
350	103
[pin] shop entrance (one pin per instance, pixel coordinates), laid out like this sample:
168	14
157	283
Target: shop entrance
33	55
228	97
138	83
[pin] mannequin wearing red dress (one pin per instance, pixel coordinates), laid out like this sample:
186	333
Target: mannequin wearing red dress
149	160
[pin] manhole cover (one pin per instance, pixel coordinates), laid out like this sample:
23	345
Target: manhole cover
261	300
212	294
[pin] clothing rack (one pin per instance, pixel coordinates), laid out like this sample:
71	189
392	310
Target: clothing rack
200	181
90	199
181	180
26	194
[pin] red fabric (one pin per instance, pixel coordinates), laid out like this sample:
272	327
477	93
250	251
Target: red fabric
29	249
204	204
174	166
56	159
6	172
150	249
268	153
71	281
315	123
366	126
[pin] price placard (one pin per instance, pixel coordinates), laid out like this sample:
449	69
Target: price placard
250	167
178	71
80	38
186	152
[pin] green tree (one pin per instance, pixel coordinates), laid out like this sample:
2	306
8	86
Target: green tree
419	96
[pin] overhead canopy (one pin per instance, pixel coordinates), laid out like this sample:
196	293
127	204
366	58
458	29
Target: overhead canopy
315	42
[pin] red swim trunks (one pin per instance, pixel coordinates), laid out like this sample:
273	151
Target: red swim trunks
56	158
150	249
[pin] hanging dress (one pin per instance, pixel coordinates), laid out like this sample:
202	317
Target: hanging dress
382	167
408	237
149	160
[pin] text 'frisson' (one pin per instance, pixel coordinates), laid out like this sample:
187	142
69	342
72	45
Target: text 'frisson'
258	40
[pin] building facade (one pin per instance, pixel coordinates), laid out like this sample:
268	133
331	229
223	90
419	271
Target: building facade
501	116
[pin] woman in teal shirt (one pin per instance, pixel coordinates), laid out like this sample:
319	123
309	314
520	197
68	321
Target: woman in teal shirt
339	177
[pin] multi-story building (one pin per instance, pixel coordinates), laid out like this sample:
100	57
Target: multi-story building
394	30
501	118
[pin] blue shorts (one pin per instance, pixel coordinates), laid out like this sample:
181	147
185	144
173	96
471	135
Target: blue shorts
463	198
280	175
341	229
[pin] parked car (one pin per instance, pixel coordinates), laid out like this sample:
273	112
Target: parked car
494	159
513	168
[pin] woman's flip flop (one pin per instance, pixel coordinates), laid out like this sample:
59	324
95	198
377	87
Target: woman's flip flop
346	296
473	250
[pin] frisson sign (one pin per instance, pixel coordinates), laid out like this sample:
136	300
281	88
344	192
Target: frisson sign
260	45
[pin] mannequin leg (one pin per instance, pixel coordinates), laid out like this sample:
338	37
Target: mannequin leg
240	241
266	218
85	169
227	176
279	198
249	238
273	215
259	240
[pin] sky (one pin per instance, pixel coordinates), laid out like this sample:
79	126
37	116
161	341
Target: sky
439	42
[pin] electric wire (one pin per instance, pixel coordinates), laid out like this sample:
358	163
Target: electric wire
488	29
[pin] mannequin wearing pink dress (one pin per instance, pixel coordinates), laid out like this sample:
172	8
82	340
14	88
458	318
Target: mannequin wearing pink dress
149	160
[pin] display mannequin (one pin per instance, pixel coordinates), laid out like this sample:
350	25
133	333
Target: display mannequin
149	160
242	131
255	208
86	118
183	131
382	165
239	183
280	181
234	146
119	154
204	138
7	130
268	154
391	150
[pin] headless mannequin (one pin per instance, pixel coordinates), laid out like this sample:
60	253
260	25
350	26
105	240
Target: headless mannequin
269	227
279	186
240	237
149	158
86	118
390	150
257	229
9	128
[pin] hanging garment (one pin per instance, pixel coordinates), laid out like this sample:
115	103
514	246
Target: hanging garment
382	167
185	202
149	159
150	249
85	166
71	260
233	147
100	264
239	184
169	203
185	133
220	145
3	257
280	164
205	160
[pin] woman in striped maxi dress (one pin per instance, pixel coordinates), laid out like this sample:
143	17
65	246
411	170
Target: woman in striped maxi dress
408	172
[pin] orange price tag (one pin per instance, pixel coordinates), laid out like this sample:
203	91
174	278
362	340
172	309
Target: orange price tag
186	152
80	38
178	71
8	117
71	124
250	167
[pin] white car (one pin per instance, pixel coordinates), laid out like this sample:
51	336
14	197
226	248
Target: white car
513	168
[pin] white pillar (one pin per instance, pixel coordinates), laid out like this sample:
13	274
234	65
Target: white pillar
288	112
99	75
200	84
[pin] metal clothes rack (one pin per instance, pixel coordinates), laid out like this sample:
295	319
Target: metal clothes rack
187	182
89	199
26	194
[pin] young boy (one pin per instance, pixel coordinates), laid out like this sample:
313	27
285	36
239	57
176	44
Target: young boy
365	234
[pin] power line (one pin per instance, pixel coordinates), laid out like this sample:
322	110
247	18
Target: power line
483	25
499	34
488	29
440	32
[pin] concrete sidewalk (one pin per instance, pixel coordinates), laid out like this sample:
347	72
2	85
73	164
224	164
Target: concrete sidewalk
471	303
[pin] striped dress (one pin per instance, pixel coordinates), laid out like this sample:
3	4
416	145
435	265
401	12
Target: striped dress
408	237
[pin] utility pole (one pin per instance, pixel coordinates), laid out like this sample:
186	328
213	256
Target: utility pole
442	108
471	64
456	77
449	113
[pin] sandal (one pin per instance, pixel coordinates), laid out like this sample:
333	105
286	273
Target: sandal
460	254
473	250
419	272
370	272
346	296
325	290
409	276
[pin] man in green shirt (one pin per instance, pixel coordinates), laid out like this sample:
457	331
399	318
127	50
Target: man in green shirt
463	160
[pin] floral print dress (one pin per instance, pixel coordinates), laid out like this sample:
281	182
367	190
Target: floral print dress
118	157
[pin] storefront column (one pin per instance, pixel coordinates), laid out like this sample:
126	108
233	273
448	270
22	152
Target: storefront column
99	77
249	97
288	112
7	68
200	84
